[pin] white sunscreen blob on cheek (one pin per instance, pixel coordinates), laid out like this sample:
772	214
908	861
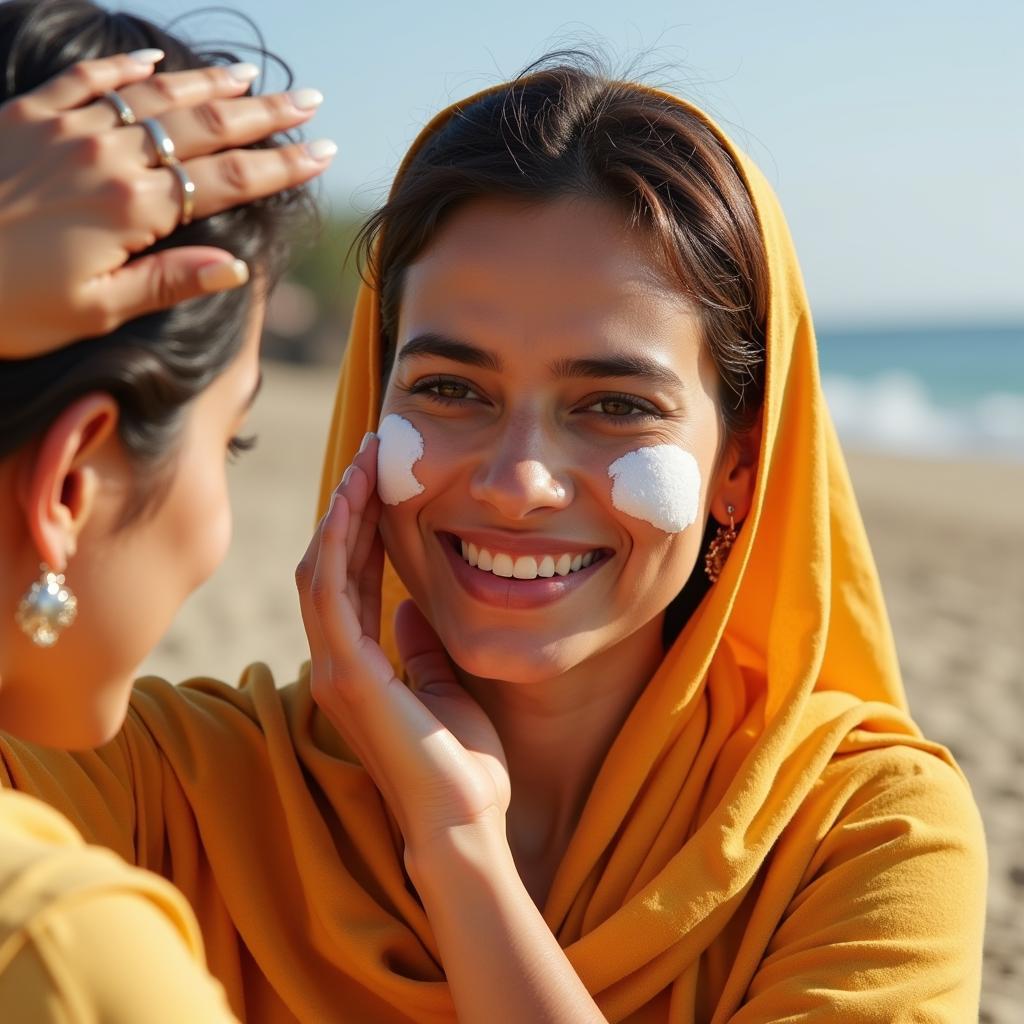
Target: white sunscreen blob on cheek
400	448
659	484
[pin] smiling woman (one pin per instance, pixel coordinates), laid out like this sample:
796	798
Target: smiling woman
547	343
637	747
651	802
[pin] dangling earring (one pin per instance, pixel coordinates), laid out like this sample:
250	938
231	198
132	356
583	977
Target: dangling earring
47	608
718	550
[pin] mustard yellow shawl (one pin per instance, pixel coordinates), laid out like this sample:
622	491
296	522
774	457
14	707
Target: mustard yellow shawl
769	838
716	801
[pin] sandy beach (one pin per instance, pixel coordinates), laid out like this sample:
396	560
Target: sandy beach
950	549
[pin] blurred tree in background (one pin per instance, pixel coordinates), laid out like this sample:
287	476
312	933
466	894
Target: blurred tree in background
309	312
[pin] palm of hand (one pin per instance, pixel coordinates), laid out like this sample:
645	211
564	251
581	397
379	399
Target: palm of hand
429	747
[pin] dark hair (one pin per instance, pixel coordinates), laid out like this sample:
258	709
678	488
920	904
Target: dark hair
155	365
565	128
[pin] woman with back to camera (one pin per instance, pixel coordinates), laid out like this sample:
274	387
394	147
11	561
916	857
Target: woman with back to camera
653	762
112	450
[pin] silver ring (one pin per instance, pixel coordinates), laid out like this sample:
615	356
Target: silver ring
162	142
188	192
124	112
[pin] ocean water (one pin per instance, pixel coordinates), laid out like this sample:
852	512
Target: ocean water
942	392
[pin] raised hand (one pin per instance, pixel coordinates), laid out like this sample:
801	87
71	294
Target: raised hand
429	747
81	192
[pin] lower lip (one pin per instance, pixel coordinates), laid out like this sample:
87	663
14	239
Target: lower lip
510	593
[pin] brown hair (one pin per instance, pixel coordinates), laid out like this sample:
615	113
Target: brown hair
564	128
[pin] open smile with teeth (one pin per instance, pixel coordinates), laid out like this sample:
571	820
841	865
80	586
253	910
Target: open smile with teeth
526	567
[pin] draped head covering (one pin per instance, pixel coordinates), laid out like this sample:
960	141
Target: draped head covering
706	816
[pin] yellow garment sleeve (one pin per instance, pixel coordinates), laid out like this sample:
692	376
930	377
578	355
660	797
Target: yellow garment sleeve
886	925
112	957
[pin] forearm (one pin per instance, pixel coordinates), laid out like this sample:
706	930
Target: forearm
500	958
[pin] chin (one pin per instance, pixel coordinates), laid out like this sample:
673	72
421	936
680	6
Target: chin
513	656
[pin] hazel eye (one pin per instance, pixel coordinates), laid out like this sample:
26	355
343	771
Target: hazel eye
621	407
445	390
451	389
616	407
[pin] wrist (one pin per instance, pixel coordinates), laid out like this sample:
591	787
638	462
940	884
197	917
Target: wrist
459	853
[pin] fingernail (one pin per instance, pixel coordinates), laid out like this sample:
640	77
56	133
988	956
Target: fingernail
149	56
219	277
307	99
243	72
346	475
367	438
321	149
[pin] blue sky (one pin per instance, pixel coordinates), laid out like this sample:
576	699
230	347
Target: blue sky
891	130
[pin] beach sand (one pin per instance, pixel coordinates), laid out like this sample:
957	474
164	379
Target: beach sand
950	549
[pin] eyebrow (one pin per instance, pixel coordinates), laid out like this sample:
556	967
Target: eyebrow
619	365
450	348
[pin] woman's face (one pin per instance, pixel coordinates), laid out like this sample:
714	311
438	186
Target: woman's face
536	346
131	580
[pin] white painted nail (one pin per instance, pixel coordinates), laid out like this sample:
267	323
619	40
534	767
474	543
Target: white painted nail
321	149
149	56
307	99
243	72
367	438
219	277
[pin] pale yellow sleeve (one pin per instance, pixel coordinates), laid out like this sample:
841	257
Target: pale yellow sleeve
889	923
110	957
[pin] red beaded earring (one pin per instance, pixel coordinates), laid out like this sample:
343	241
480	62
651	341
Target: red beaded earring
718	550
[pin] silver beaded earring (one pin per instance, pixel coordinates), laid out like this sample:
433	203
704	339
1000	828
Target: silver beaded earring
47	608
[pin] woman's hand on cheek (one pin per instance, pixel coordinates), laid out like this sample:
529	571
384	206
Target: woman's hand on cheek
430	749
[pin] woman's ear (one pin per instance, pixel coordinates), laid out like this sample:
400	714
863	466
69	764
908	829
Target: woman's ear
57	482
737	476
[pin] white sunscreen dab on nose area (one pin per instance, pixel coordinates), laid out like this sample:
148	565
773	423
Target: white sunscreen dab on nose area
400	448
659	484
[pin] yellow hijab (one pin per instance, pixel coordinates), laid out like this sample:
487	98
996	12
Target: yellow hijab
788	662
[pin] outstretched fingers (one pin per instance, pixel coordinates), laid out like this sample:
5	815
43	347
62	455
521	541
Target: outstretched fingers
89	79
174	275
365	547
163	279
318	648
180	90
330	586
370	583
239	176
362	491
339	585
223	123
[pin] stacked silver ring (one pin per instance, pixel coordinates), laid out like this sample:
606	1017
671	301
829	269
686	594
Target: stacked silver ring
165	154
124	112
162	142
188	192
